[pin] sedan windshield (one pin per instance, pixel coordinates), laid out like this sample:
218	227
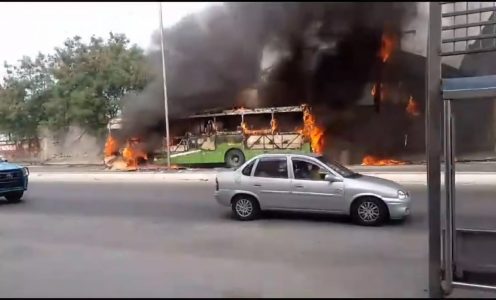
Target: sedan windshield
338	168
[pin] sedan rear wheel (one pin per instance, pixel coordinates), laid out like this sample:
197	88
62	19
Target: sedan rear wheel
245	208
369	212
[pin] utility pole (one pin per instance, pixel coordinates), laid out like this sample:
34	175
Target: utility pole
166	106
433	146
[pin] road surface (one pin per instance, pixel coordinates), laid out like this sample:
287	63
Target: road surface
172	240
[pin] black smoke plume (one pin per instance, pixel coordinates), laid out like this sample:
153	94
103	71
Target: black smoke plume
323	54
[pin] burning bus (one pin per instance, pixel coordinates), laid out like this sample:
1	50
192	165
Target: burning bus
227	137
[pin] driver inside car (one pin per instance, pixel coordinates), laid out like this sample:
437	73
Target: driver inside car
307	171
314	172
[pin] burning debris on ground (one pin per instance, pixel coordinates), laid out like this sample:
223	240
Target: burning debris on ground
132	154
370	160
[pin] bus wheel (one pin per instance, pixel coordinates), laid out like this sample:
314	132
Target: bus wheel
234	158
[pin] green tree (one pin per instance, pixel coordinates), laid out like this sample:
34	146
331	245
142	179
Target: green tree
91	79
80	84
25	90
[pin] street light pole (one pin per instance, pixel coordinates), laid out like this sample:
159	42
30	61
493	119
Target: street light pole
165	86
433	146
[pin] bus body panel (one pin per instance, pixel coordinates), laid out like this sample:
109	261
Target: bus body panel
217	156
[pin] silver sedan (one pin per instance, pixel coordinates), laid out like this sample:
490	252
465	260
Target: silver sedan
309	183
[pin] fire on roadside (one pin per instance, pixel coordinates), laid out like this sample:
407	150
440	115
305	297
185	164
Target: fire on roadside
111	146
132	154
370	160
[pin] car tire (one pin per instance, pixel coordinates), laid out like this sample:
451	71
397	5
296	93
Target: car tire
245	208
14	197
234	158
369	211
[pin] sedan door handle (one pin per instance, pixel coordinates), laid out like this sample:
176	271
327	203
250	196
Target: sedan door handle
257	184
298	186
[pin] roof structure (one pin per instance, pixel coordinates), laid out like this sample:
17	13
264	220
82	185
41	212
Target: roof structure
469	87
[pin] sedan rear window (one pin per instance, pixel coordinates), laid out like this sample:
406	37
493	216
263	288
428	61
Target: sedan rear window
272	167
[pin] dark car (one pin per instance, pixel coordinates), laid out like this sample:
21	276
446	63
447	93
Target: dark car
13	181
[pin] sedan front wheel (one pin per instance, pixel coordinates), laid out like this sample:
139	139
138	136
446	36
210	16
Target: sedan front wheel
369	211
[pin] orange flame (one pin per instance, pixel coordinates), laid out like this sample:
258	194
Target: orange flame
132	154
370	160
387	46
412	108
111	146
274	125
374	91
247	131
312	131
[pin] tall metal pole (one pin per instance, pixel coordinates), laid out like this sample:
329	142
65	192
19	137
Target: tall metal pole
165	86
433	147
449	183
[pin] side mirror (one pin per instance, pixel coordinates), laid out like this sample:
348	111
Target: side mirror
331	178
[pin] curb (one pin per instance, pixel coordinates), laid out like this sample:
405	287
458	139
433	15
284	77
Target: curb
120	177
102	177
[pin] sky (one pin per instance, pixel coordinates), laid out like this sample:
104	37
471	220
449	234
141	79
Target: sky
27	28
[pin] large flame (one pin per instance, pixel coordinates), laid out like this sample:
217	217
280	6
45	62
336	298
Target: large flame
133	153
370	160
111	146
312	131
412	108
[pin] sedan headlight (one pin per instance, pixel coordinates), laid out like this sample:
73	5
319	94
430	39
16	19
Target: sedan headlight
25	171
402	195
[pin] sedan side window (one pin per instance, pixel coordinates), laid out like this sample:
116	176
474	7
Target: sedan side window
305	170
272	168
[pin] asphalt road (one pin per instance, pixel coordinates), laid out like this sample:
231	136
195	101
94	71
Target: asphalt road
173	240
